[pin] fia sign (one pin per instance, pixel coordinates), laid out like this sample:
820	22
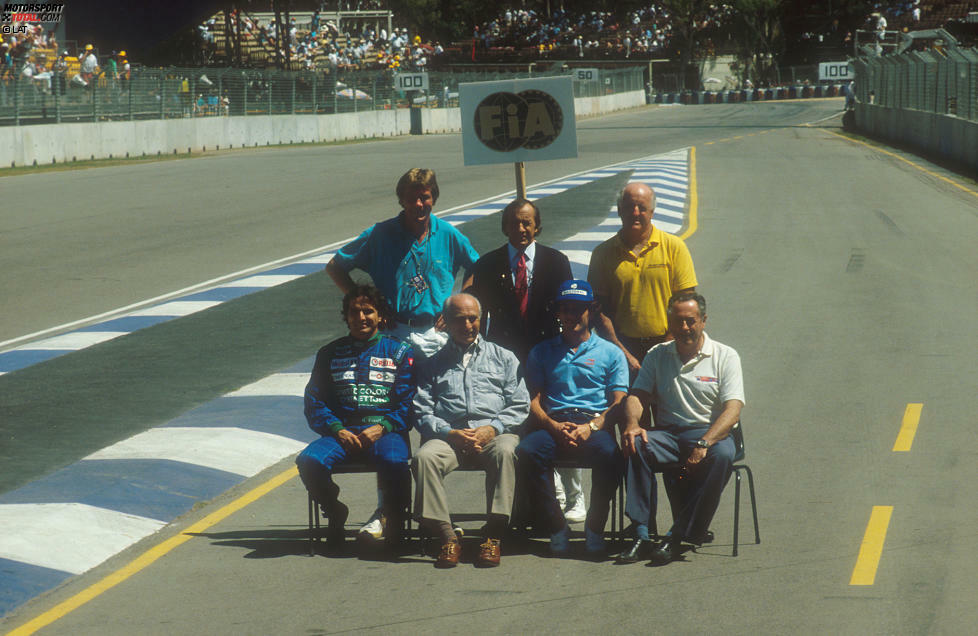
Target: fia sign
518	120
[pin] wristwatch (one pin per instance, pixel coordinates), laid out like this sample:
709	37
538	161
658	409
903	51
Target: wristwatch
594	427
702	443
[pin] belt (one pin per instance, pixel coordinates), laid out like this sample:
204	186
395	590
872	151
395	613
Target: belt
578	416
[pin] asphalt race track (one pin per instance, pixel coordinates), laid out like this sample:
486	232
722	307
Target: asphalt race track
842	272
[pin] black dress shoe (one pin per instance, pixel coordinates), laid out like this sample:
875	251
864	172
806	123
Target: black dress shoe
634	552
667	552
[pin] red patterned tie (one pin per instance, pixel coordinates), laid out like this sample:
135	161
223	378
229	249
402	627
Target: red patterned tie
521	287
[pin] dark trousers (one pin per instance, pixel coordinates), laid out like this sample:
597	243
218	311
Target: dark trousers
697	491
391	454
535	458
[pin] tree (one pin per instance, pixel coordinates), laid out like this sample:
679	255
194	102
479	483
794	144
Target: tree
689	23
759	36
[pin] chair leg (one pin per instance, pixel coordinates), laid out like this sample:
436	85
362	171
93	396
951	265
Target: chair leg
736	527
753	504
313	524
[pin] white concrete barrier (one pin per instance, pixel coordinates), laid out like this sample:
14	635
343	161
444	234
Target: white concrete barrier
946	136
23	145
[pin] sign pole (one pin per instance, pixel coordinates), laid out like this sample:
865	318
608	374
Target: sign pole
520	180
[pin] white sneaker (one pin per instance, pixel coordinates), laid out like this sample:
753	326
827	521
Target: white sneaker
374	528
576	512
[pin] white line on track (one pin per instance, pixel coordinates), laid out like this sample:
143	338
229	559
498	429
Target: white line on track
233	450
70	537
279	384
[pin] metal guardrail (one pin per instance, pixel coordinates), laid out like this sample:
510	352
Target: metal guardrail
209	92
932	81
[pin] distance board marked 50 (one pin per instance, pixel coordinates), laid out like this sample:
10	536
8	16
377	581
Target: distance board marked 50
911	418
872	547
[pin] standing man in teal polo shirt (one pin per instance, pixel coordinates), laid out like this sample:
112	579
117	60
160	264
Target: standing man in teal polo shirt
412	258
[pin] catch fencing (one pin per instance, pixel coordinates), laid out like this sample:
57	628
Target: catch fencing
942	82
149	93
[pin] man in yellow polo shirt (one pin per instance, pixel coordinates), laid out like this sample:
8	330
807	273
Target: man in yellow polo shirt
634	273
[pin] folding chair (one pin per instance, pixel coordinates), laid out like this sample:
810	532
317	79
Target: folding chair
737	434
348	468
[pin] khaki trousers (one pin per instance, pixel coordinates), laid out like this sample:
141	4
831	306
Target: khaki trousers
436	459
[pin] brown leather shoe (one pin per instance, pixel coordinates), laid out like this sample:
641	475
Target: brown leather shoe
448	557
488	554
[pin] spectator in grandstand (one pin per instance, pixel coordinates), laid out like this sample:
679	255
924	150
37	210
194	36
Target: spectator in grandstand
469	403
634	273
89	64
575	379
358	400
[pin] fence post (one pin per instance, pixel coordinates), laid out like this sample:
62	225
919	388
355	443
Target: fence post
94	85
315	105
373	90
162	96
268	83
17	99
244	93
293	94
57	97
129	94
353	92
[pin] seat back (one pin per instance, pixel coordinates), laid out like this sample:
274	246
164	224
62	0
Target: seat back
737	433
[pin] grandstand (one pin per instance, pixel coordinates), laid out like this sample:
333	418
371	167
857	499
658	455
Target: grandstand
257	41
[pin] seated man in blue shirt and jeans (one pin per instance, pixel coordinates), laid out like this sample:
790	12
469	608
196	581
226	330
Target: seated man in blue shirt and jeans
574	380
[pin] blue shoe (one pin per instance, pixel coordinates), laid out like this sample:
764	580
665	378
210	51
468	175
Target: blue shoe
594	543
560	542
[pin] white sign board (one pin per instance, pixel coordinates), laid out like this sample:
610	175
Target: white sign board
586	74
835	72
518	120
411	82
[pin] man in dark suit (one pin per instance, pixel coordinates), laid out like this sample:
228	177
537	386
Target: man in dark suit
517	283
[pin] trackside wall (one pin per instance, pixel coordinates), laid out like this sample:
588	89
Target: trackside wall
947	136
59	143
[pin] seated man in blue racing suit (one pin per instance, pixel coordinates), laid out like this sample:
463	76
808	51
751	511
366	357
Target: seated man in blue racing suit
359	398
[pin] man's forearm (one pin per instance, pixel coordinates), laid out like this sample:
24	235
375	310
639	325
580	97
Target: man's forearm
722	426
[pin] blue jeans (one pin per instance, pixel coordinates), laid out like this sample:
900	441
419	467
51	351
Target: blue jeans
391	454
535	457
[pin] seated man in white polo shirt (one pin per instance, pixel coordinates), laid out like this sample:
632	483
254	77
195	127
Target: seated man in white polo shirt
697	390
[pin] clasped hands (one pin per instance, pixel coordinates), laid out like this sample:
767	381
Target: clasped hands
471	441
570	434
353	443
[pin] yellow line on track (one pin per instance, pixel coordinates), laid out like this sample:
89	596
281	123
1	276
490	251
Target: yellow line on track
869	553
150	556
905	160
693	197
911	418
